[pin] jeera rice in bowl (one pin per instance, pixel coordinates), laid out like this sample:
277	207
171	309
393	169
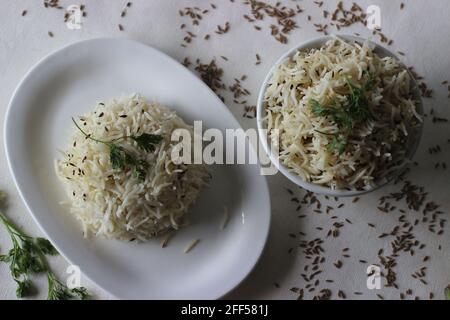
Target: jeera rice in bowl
343	116
118	171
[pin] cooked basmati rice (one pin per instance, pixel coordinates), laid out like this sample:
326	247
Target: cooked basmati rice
376	149
114	203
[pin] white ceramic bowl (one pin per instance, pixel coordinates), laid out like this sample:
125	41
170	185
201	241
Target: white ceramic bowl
316	43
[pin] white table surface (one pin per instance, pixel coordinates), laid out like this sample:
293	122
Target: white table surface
420	31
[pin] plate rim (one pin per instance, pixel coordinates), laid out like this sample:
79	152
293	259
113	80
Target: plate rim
7	146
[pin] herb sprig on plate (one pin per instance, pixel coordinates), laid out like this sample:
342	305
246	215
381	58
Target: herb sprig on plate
120	158
28	257
447	293
355	110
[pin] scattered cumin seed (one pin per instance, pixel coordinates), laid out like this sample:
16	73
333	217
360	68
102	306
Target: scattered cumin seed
224	29
191	245
225	219
258	59
166	239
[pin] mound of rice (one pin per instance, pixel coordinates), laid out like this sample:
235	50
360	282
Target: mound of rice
376	148
113	202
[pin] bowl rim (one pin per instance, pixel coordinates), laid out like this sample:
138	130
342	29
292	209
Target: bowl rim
315	43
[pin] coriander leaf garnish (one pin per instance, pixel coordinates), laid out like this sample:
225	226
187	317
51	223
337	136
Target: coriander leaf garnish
117	156
28	257
354	110
338	143
338	115
23	287
120	158
140	170
318	109
357	104
147	141
24	258
447	293
45	246
59	291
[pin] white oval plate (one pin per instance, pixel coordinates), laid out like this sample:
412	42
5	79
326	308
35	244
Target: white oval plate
70	82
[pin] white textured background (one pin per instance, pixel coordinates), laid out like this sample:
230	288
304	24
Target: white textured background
420	30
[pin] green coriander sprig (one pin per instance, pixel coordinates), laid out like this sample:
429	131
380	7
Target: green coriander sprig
121	158
338	142
28	257
59	291
354	110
